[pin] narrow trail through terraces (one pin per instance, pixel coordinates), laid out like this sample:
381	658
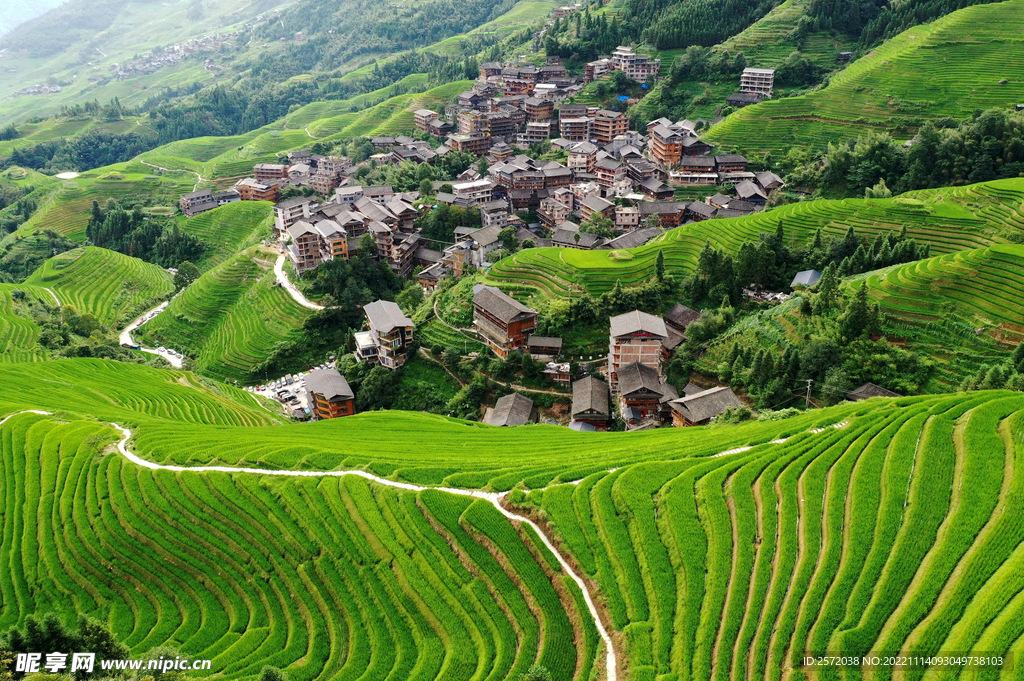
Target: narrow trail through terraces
494	498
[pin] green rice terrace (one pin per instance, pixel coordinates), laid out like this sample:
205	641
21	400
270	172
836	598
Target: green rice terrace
229	229
963	309
968	60
18	333
112	287
887	525
949	220
230	319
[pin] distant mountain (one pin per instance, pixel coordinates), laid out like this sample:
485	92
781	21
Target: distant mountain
15	12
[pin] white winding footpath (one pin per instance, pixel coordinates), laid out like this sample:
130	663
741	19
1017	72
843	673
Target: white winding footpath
282	278
126	335
493	497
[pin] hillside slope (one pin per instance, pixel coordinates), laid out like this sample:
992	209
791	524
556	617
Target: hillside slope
949	220
951	67
230	319
112	287
886	525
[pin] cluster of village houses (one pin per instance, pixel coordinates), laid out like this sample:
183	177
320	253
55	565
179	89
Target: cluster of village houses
168	56
638	345
611	173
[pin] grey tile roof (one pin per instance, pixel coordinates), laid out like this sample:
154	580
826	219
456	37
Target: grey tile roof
500	305
681	316
511	410
329	383
769	180
635	376
638	237
661	207
637	322
806	278
544	342
590	394
706	404
300	228
702	209
870	390
385	316
596	203
747	189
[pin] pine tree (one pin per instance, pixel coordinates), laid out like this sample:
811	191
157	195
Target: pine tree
659	266
856	321
1018	358
827	290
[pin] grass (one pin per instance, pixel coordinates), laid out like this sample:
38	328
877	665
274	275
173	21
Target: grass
950	67
950	220
19	334
383	581
112	287
229	320
229	229
66	210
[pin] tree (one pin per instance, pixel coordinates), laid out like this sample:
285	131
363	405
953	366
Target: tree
426	187
482	166
508	240
187	273
879	191
659	265
536	673
836	386
269	673
599	225
828	294
378	390
856	321
367	246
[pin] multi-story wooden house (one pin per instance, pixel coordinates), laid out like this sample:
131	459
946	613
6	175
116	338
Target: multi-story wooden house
503	321
329	394
634	337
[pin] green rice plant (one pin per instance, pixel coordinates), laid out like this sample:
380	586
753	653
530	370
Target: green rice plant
112	287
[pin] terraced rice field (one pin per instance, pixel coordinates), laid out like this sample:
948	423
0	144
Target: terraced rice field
956	304
887	534
950	67
18	333
71	206
229	320
230	228
436	332
950	220
112	287
889	525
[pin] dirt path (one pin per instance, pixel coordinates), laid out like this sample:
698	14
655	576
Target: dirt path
293	290
175	170
492	497
427	355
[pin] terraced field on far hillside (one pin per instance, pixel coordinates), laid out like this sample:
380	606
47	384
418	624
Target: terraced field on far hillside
229	229
19	334
230	319
112	287
950	220
968	60
888	525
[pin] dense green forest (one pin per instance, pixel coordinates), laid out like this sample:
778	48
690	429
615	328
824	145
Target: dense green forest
987	146
133	233
876	20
